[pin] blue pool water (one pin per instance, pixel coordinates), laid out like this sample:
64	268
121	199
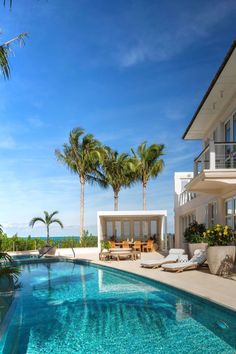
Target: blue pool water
73	308
20	257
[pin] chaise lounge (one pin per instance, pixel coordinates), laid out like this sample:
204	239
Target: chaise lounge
172	257
198	259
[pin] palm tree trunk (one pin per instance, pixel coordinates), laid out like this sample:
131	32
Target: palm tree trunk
48	234
81	231
144	196
115	200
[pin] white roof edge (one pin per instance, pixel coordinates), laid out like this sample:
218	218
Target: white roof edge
182	173
132	213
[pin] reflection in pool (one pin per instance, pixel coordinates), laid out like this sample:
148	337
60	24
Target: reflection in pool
75	308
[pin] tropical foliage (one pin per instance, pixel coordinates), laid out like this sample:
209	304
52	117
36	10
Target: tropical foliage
117	171
8	271
17	243
219	235
93	162
149	164
48	220
194	232
83	156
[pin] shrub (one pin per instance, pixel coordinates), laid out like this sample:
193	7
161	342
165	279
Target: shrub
105	245
219	235
194	232
89	241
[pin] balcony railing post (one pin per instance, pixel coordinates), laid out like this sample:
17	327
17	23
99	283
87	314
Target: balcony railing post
195	168
212	155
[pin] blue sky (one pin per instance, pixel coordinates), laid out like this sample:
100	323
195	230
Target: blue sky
126	71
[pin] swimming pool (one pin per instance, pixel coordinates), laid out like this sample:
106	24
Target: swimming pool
77	308
20	257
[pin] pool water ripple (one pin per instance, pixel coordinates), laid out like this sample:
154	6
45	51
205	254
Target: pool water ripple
71	308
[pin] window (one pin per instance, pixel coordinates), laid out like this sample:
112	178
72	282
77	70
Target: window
211	214
117	230
186	220
126	229
229	212
109	229
145	229
234	127
153	228
227	131
137	229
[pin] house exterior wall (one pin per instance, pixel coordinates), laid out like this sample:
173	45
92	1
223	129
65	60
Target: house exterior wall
213	189
199	207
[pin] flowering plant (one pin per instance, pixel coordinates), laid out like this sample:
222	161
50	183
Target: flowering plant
219	235
194	232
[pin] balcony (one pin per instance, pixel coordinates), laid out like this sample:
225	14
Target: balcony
186	197
215	169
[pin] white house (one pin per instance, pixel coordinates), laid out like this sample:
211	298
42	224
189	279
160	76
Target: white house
208	193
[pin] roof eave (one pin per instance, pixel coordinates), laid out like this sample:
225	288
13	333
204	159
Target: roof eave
219	71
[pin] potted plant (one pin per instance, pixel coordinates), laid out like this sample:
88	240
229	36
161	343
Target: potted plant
47	220
194	236
105	250
221	249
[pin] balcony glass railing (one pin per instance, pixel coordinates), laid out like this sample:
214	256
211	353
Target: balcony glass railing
186	197
216	155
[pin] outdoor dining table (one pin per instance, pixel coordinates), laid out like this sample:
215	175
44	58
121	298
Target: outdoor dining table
131	244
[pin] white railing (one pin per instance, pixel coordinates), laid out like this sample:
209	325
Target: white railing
216	155
186	197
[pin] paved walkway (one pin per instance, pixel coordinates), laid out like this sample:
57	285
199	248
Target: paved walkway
199	282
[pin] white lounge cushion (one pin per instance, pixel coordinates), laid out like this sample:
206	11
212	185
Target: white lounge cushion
199	256
178	265
176	251
160	261
198	259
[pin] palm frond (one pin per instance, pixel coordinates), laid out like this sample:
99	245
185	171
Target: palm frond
57	221
10	3
36	219
53	214
5	257
5	50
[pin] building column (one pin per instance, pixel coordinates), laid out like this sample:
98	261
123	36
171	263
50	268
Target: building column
220	211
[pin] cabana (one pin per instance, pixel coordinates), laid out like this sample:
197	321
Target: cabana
133	225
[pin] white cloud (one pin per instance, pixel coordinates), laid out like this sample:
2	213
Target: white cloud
155	45
35	122
7	142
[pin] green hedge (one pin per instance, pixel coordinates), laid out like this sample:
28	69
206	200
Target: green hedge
16	243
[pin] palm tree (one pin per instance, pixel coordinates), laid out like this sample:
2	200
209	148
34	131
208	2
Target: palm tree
117	171
148	164
48	220
1	230
82	155
5	50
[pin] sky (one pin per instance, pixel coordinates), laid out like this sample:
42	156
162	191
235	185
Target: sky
126	71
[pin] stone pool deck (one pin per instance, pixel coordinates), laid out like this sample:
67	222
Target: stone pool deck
198	282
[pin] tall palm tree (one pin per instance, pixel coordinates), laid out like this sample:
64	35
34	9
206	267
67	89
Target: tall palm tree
1	230
82	155
117	171
47	220
148	164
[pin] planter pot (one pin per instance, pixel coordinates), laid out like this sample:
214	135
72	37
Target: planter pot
221	259
48	250
196	246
